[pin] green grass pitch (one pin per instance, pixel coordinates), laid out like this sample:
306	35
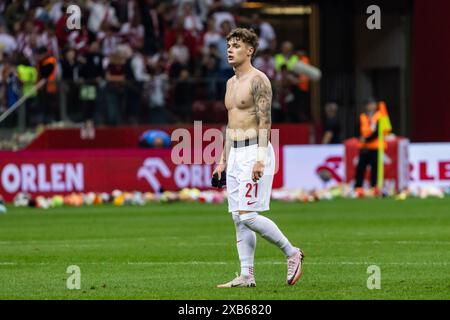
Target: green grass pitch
182	251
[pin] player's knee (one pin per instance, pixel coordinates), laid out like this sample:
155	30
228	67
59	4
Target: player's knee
247	216
235	216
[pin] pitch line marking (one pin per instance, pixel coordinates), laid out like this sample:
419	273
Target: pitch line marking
156	263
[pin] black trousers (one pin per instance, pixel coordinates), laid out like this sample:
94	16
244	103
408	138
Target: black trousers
367	157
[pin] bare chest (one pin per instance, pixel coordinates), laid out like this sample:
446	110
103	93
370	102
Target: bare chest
238	95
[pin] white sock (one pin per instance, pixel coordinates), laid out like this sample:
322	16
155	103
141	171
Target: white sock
246	245
268	230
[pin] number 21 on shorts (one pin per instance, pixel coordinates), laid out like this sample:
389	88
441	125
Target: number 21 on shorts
251	187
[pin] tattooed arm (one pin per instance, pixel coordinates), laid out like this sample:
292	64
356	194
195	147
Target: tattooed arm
262	99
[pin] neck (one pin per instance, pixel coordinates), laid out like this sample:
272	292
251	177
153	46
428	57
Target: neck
242	69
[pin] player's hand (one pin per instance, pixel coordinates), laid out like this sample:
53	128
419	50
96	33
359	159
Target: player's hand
219	169
258	171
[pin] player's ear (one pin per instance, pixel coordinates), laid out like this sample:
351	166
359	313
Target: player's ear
250	51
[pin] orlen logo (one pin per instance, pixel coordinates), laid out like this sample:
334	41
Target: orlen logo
328	170
426	170
194	176
55	177
150	168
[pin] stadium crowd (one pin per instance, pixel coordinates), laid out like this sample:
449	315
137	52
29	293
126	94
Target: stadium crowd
138	61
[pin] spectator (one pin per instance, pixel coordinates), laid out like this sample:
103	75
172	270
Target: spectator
115	77
70	66
192	21
49	40
183	94
211	36
7	42
28	76
286	57
211	65
134	73
2	81
92	63
14	12
267	39
11	82
47	96
369	121
266	63
133	32
177	39
80	40
138	64
179	53
286	87
29	45
109	40
91	72
70	70
101	13
153	22
225	70
189	40
331	125
304	86
220	15
57	10
61	31
158	87
160	56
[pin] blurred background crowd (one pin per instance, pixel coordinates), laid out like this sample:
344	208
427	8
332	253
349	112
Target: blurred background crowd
136	62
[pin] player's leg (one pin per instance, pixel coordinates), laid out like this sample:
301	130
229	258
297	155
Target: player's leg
270	231
245	238
246	245
267	229
254	198
361	168
373	168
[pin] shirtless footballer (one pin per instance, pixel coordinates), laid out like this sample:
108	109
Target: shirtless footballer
248	160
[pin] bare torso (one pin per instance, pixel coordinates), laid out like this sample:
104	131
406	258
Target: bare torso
239	101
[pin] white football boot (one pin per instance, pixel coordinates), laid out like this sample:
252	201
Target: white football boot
239	282
294	267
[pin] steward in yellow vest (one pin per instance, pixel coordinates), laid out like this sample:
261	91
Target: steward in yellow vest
369	122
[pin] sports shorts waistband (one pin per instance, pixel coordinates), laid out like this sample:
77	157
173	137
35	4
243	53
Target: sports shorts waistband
245	143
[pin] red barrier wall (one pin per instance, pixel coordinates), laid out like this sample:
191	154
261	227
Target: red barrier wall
66	171
128	137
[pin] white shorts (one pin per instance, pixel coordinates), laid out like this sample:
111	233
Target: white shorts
244	194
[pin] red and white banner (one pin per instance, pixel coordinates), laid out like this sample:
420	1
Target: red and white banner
396	175
313	166
316	166
61	172
429	164
306	166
